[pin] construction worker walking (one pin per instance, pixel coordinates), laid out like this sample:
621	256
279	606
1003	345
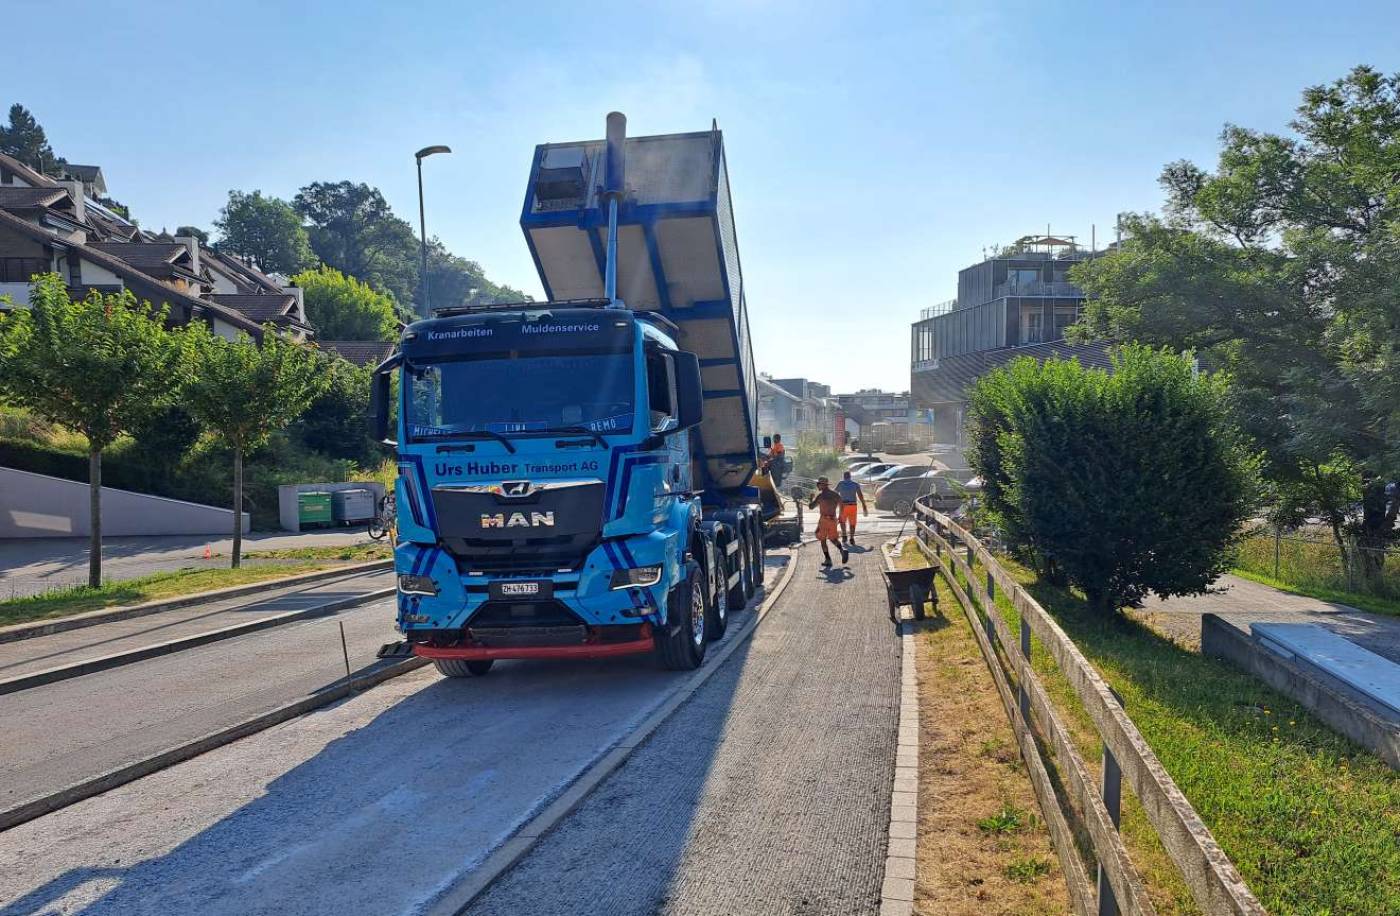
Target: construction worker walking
850	492
827	503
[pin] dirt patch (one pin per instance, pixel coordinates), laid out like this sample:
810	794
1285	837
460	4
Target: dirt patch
982	847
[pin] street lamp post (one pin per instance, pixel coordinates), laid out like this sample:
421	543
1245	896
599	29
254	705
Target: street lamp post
423	226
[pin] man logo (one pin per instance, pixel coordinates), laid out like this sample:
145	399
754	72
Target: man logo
517	520
515	488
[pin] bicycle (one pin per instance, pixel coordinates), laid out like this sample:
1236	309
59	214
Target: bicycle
385	523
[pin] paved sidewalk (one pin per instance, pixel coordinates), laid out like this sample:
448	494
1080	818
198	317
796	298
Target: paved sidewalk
30	566
1246	602
767	792
69	647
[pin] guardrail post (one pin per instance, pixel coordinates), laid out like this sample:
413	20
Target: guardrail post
991	587
1113	801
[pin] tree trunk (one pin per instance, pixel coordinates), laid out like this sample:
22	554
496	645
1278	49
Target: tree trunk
1373	535
237	506
94	517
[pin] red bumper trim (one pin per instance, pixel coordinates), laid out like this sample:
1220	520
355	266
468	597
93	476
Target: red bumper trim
583	650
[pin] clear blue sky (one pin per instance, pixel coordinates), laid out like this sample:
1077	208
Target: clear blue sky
874	148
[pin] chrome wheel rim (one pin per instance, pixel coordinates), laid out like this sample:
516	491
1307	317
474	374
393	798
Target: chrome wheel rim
721	598
697	616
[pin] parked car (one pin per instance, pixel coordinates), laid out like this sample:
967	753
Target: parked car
867	472
901	470
849	460
898	495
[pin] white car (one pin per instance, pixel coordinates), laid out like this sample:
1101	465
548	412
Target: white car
868	472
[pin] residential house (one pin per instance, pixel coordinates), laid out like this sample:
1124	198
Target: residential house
58	226
800	409
1015	303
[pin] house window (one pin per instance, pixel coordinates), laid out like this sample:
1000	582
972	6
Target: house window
1063	319
20	270
1031	328
1021	276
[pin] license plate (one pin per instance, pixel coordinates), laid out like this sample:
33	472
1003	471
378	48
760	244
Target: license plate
526	589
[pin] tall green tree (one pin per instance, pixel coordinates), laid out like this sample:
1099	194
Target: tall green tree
243	393
24	139
342	308
354	230
454	280
1283	266
101	367
265	229
1123	483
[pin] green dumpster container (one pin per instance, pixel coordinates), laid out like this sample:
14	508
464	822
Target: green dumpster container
313	509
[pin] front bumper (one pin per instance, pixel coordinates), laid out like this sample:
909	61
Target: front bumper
592	647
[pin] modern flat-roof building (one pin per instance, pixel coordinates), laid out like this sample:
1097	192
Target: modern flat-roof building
1016	303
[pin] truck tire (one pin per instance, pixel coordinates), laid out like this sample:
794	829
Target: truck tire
738	597
458	667
719	603
682	648
758	554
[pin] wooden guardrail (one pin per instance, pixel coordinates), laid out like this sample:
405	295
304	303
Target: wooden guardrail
1213	881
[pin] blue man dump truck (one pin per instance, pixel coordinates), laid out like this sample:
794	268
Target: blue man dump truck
577	476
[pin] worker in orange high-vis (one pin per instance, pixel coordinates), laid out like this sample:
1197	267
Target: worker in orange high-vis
850	492
777	460
827	502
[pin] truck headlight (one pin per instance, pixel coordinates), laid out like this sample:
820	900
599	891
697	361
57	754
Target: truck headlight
636	577
417	585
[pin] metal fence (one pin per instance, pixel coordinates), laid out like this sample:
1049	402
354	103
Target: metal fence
1318	562
975	578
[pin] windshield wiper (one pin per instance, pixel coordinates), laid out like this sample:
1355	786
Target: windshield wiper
481	434
582	431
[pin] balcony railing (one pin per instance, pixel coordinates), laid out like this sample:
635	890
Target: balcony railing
1038	288
942	308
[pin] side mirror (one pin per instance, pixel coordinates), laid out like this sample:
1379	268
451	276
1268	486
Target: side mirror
690	390
767	442
379	399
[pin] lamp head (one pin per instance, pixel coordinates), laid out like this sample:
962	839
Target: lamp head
430	151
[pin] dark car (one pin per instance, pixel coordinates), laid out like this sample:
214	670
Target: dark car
899	494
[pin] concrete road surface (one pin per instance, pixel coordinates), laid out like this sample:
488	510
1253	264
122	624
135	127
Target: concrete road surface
373	805
31	566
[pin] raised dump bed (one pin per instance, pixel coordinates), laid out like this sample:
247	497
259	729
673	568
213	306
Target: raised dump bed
677	255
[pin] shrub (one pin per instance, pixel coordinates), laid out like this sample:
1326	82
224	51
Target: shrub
1125	483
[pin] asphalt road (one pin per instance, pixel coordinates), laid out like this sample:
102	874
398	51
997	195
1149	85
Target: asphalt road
767	792
70	647
373	805
64	733
31	566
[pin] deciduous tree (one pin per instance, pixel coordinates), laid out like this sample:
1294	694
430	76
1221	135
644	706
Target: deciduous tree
243	393
1283	266
265	229
343	308
354	230
100	366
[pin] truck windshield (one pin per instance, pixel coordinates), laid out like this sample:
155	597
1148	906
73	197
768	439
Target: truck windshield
520	395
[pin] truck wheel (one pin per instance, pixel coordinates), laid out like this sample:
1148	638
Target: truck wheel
457	667
682	648
719	604
756	540
738	598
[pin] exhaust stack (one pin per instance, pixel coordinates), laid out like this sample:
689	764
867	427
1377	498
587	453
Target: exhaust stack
614	171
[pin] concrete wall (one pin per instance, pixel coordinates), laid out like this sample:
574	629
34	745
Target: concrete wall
36	506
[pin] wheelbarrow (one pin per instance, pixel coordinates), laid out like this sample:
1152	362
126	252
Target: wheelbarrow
911	587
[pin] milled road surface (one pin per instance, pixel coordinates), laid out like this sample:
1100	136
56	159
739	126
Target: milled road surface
768	792
377	804
64	733
70	647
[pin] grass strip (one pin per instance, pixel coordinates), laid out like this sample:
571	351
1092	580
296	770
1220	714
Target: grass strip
360	553
982	846
173	584
1311	820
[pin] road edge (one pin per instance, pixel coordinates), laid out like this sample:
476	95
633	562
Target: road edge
897	889
118	659
133	771
17	631
500	860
